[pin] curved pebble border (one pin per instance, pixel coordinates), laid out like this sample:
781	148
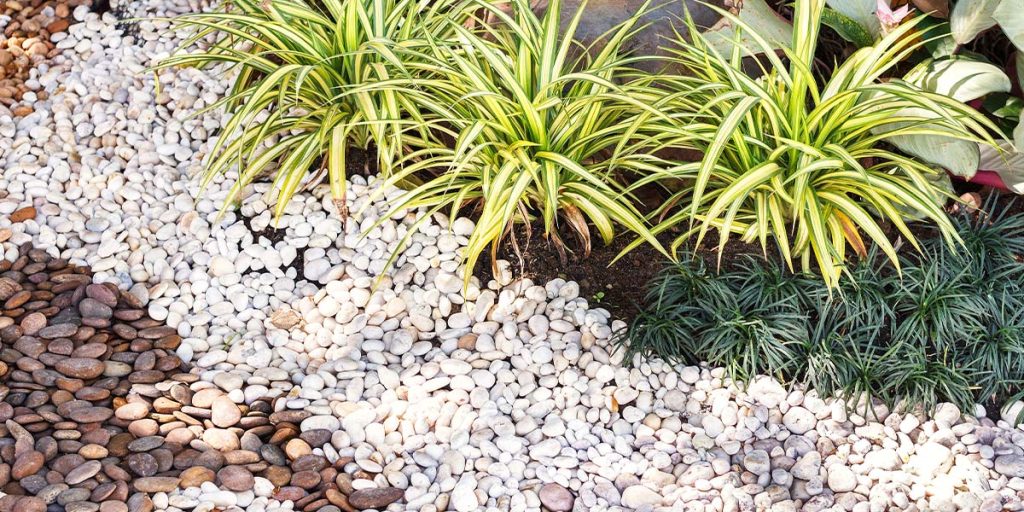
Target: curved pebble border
505	397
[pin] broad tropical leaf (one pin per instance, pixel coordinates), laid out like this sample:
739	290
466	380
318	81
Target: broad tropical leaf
1010	16
860	11
963	80
847	28
1007	160
766	22
972	17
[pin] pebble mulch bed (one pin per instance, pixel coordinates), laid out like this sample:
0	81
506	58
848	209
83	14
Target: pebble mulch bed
313	385
76	362
30	31
98	412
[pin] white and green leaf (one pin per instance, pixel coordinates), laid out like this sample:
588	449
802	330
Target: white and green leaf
970	18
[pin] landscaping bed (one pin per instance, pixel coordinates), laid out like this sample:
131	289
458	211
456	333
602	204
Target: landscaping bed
268	364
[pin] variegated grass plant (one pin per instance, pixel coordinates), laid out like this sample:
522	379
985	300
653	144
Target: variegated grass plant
528	124
805	164
314	77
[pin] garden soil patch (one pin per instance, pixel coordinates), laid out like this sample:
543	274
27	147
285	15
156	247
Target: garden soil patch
618	284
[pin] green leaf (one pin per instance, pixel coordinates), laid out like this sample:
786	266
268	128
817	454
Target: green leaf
765	21
1010	16
805	163
862	12
956	155
970	18
847	28
1004	106
329	75
962	79
1018	60
1006	159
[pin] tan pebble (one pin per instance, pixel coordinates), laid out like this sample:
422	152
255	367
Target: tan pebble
144	427
182	436
297	448
156	484
132	411
204	398
468	342
221	439
225	412
196	476
93	451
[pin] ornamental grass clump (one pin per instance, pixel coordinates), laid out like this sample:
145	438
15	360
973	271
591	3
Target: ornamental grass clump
802	163
528	125
949	328
314	77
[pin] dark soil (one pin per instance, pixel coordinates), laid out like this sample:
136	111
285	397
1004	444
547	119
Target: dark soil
608	280
618	286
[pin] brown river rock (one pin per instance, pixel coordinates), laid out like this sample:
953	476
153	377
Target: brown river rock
375	498
96	407
80	367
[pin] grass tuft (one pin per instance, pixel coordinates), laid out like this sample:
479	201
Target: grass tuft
950	328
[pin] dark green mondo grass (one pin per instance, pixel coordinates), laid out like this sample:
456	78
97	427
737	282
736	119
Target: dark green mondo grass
949	327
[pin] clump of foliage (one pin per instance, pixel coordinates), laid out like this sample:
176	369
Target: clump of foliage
949	328
314	77
802	163
528	124
467	103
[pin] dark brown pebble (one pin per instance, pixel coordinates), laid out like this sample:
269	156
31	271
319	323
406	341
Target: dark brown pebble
143	464
80	367
235	478
290	493
305	479
377	498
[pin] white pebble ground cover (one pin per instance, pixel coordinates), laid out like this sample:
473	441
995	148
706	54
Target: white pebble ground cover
505	397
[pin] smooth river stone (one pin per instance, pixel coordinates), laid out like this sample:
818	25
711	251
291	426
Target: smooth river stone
80	367
90	414
153	484
224	412
378	498
83	472
235	478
